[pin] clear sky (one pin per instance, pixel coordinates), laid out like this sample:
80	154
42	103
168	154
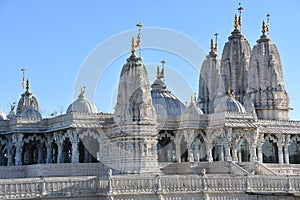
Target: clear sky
54	40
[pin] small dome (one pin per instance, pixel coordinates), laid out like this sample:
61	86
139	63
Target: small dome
165	103
2	115
82	105
192	109
27	100
229	104
31	113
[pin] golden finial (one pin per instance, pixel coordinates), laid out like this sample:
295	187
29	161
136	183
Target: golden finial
212	48
236	22
132	46
27	85
228	91
264	28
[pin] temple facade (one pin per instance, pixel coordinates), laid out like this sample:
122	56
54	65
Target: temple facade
234	141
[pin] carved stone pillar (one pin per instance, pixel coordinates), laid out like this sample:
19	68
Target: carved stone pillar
286	149
74	141
280	154
259	148
253	156
286	154
59	140
227	140
235	154
49	150
253	145
18	142
209	152
177	142
9	149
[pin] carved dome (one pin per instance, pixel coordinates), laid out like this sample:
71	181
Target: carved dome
82	105
2	115
165	103
30	113
229	104
27	100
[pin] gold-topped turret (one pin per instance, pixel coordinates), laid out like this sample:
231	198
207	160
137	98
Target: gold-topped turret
236	22
132	46
264	28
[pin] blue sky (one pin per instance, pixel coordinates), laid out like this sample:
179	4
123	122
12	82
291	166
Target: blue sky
54	39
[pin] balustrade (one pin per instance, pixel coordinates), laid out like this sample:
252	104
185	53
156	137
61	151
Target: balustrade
142	184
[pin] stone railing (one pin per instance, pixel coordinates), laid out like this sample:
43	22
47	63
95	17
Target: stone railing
136	185
209	183
262	169
284	169
236	169
53	170
51	187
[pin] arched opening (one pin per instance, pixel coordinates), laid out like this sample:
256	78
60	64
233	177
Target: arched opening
270	152
218	150
166	148
54	149
67	151
199	150
294	153
242	150
30	153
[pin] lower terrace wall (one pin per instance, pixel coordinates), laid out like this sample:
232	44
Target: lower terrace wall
53	170
171	187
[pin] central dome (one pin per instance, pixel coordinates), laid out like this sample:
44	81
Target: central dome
82	105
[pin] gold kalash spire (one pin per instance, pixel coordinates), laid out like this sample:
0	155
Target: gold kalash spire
264	28
133	46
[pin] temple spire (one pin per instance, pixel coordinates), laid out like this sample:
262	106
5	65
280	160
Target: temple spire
236	23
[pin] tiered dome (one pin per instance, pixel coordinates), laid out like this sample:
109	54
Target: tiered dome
165	103
229	104
82	105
